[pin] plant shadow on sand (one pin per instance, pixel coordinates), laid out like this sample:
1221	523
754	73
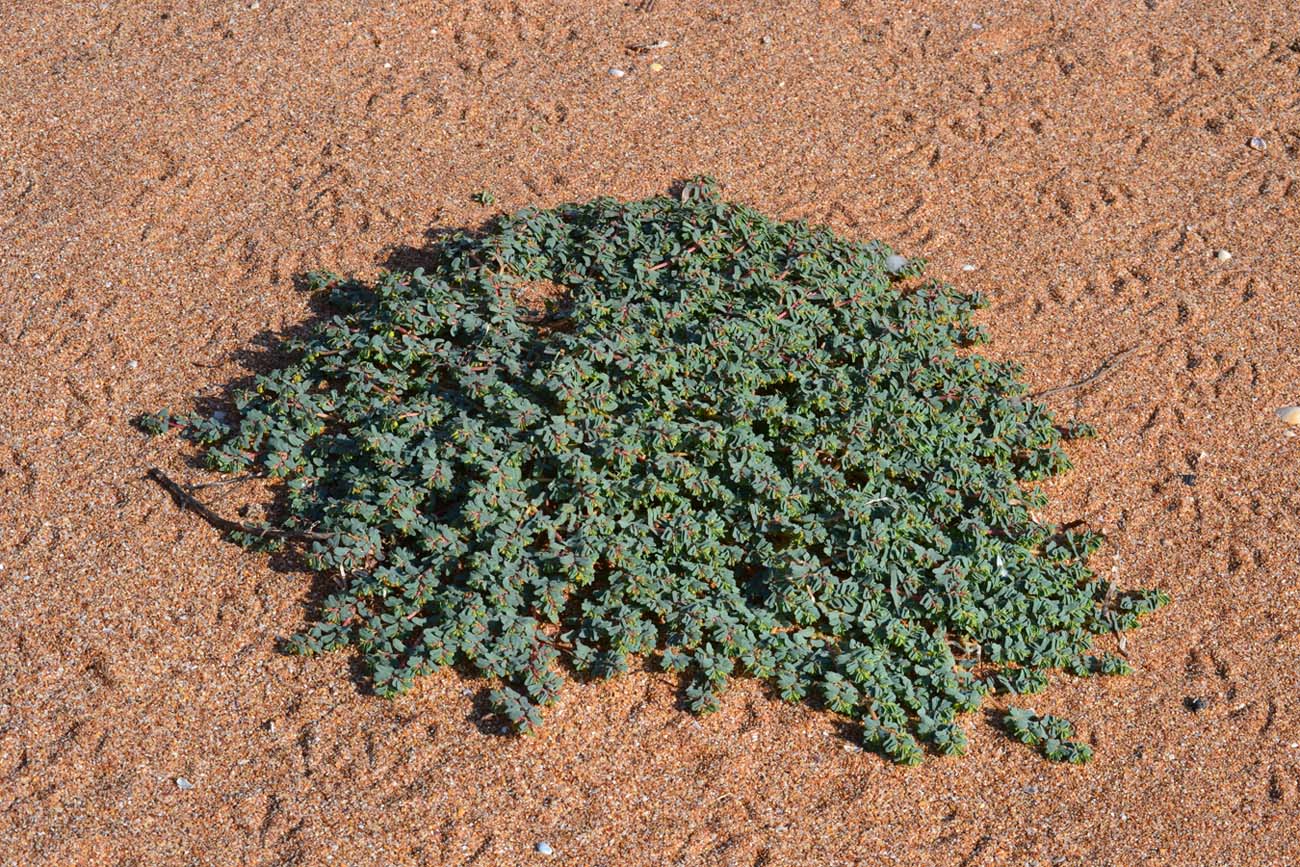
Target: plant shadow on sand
266	352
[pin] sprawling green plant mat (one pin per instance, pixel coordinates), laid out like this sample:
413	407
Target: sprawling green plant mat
732	444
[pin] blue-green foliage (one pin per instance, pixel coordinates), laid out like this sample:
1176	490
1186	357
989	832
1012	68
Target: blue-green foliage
1050	734
738	446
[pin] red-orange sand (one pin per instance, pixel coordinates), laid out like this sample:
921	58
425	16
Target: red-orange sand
166	168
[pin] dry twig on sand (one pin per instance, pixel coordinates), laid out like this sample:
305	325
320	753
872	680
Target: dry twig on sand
186	500
1102	369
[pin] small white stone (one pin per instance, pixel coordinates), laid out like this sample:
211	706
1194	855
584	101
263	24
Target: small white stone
183	784
968	267
1223	255
1258	143
544	848
133	364
895	263
616	72
767	40
1289	414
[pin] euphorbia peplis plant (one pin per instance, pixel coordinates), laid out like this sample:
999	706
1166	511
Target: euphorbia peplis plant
734	444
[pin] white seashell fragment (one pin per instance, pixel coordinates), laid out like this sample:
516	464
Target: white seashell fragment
1289	414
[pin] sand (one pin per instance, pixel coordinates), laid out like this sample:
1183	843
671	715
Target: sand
168	168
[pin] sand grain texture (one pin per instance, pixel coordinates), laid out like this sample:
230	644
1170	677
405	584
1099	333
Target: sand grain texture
166	169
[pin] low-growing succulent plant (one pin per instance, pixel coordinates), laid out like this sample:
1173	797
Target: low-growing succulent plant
732	444
1051	734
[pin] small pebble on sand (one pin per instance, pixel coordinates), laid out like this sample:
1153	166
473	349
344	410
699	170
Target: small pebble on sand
1258	143
616	72
544	849
968	267
1289	414
656	67
183	784
1223	255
